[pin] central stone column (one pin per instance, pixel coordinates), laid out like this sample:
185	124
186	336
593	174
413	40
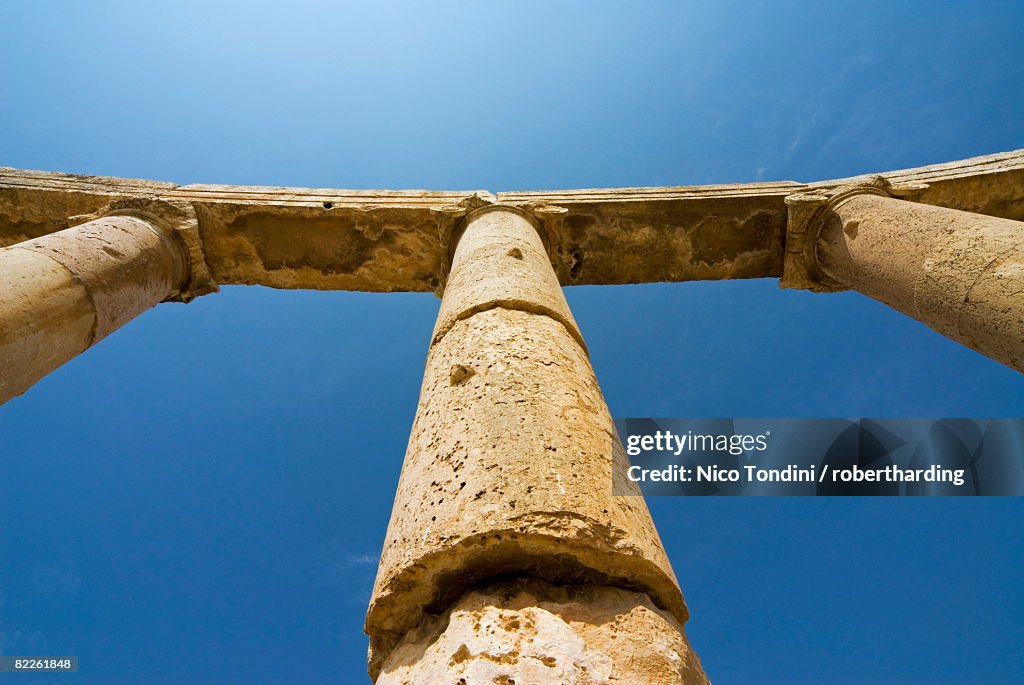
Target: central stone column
507	558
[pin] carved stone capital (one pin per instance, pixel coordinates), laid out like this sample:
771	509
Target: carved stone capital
452	220
179	220
551	219
807	214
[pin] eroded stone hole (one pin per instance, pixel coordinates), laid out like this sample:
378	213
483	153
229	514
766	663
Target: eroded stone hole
460	373
575	264
328	205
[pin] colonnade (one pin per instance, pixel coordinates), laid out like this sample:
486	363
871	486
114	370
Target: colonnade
507	557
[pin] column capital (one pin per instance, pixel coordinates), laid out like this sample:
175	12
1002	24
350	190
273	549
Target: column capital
452	220
807	213
178	219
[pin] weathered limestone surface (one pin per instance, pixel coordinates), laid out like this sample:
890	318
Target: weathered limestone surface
63	292
509	465
388	240
502	263
960	273
534	633
399	240
991	185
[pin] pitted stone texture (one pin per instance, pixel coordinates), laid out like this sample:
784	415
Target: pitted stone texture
509	464
65	291
45	319
501	261
384	241
532	633
126	264
509	471
992	317
958	272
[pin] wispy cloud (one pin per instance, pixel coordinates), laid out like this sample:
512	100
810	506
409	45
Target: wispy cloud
361	560
820	109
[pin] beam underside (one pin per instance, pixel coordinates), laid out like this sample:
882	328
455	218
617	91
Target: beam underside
387	241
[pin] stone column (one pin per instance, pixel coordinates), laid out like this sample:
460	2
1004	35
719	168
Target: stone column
960	273
63	292
507	558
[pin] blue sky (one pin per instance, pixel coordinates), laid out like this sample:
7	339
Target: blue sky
203	496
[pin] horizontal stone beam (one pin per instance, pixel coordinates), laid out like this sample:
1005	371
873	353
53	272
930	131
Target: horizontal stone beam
384	241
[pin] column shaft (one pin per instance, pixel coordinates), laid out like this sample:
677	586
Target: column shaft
958	272
61	293
508	474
